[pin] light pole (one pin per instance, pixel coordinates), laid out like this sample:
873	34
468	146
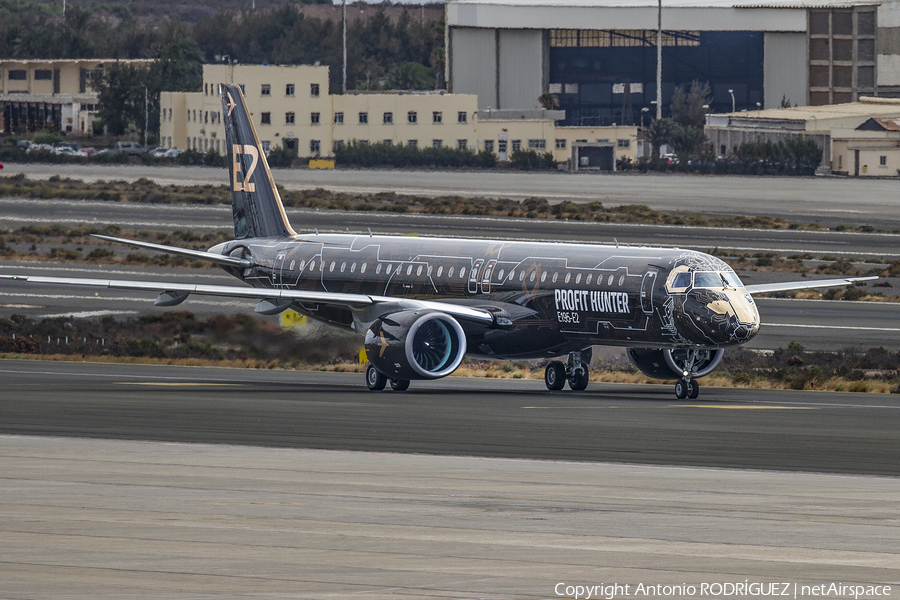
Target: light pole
659	61
732	100
758	108
706	113
644	111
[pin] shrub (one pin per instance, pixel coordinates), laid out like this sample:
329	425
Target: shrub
529	160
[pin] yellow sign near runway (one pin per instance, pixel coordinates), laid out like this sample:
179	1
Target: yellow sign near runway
291	318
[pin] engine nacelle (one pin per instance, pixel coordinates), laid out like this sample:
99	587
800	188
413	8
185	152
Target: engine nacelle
416	345
665	363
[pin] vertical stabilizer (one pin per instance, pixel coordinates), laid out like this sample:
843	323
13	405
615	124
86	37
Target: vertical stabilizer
255	203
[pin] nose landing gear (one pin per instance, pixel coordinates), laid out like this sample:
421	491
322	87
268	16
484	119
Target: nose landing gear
687	386
575	371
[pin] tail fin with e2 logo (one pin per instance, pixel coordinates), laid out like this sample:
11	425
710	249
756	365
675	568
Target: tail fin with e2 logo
256	205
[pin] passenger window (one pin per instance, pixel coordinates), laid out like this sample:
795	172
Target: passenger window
500	275
362	269
378	269
293	262
331	268
578	278
353	268
419	271
588	280
621	280
409	270
440	270
555	277
609	281
389	269
312	265
522	275
543	276
462	273
568	277
343	266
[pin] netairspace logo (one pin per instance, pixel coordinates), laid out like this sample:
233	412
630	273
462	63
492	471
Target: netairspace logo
739	589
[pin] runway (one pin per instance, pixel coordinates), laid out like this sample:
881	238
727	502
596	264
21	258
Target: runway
307	485
827	200
638	424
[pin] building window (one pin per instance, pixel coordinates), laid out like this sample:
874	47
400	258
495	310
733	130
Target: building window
412	143
363	118
561	144
363	142
437	143
623	143
437	117
882	160
412	117
265	118
314	90
489	145
338	118
289	89
337	145
266	90
243	91
315	147
387	142
313	118
43	74
18	75
289	118
537	144
461	116
462	144
266	146
516	145
388	118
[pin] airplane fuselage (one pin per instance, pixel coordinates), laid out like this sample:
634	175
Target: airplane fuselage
558	297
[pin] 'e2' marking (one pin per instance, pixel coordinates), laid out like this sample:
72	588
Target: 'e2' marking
246	185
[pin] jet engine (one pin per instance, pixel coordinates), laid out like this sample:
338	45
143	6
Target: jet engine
666	363
416	345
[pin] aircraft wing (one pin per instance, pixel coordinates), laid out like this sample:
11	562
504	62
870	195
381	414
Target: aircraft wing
175	293
787	286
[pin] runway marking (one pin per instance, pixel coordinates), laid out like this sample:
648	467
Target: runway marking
564	407
831	327
742	407
255	503
180	384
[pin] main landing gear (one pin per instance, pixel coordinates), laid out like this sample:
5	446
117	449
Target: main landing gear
376	381
687	386
574	370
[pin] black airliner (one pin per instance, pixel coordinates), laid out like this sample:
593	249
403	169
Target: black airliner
423	304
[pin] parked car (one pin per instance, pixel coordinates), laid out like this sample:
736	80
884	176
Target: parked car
66	151
23	145
131	148
88	151
39	148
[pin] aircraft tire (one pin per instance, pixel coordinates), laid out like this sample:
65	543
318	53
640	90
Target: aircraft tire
375	379
580	382
399	385
681	389
693	389
555	375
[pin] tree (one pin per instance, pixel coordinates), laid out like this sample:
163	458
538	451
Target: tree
412	76
689	143
120	96
659	132
549	101
687	109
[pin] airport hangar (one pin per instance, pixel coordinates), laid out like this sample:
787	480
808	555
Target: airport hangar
600	57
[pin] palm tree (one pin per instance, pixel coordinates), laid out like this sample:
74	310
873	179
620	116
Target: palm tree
658	133
549	101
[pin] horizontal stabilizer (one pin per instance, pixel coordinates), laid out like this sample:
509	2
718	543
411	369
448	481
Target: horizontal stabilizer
219	259
764	288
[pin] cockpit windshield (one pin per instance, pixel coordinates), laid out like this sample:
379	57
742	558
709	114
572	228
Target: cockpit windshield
717	279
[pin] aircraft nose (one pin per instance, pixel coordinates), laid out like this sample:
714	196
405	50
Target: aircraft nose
719	317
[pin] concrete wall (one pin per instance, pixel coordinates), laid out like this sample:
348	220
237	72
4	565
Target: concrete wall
521	68
473	64
784	68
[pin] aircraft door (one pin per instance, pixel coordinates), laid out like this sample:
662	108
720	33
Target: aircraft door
486	278
473	276
647	285
278	271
